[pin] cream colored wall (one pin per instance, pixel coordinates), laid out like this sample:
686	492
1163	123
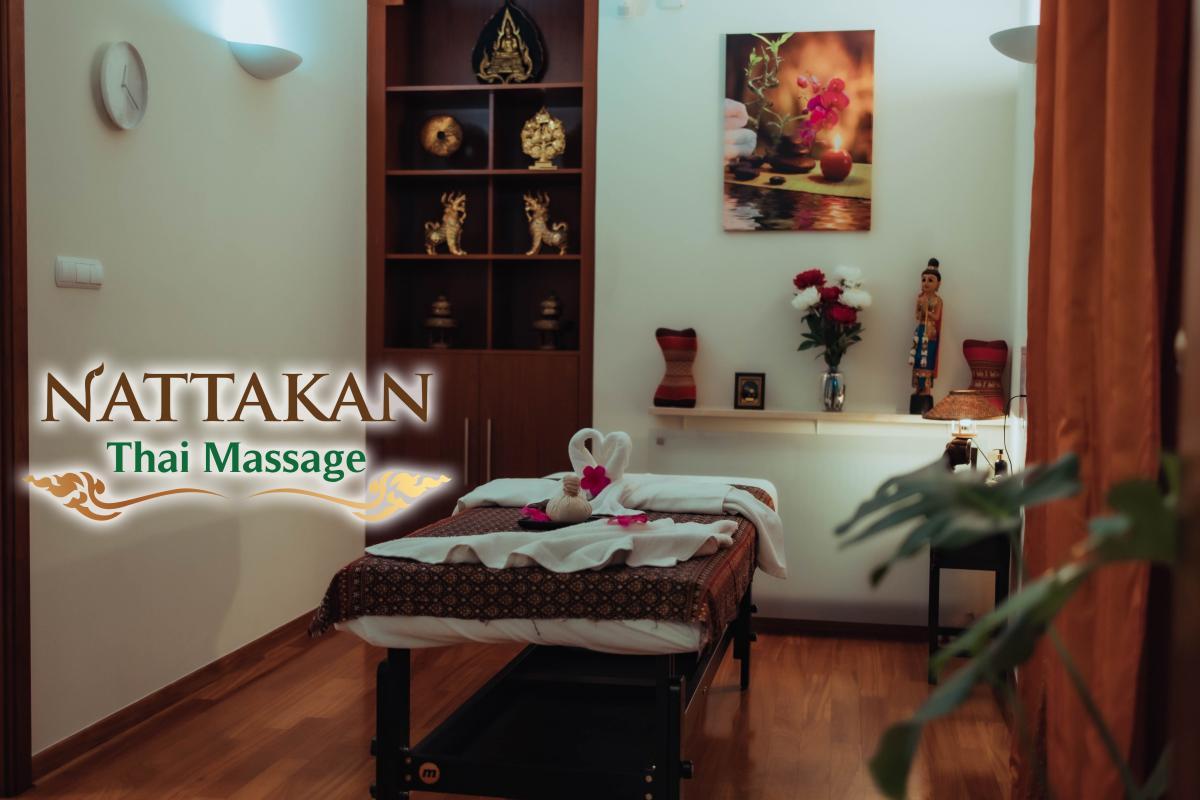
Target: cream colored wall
231	225
944	186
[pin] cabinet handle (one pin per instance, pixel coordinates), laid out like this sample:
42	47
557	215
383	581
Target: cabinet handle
466	452
487	457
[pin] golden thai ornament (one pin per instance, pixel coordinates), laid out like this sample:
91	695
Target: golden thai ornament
509	49
449	230
441	135
543	139
549	323
440	323
541	231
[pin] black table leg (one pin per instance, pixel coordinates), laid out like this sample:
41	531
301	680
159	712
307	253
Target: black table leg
392	709
743	636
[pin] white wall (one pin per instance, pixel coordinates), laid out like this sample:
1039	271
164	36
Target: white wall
232	226
943	186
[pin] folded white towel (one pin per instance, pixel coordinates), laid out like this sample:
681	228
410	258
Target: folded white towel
509	493
611	451
664	493
589	545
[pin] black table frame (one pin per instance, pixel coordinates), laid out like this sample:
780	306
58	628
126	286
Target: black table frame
990	555
441	763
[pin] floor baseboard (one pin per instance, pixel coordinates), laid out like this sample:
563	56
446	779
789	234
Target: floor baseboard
847	630
246	663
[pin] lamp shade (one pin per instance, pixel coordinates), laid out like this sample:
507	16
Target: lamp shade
963	404
1019	44
264	61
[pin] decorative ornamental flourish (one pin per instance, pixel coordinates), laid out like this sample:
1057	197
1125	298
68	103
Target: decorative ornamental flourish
82	491
388	493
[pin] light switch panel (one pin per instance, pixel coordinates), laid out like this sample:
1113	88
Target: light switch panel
78	273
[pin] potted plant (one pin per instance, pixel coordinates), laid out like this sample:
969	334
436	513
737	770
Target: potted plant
955	510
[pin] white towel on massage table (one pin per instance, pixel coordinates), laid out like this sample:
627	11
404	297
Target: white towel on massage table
589	545
663	493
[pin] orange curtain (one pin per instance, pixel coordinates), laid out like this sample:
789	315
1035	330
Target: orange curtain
1107	173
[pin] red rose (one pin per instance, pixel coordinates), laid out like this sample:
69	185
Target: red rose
843	315
810	277
830	293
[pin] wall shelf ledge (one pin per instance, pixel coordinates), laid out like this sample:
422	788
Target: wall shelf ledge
812	422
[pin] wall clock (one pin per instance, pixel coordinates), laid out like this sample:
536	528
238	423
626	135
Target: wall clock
123	85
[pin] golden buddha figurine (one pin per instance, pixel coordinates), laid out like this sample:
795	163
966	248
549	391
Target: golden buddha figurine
508	60
925	351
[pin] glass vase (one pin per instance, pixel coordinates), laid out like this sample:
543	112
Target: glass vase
833	390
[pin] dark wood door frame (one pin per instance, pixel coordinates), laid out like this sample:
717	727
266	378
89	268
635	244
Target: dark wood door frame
15	744
1185	659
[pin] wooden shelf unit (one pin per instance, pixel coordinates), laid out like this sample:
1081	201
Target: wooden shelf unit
503	407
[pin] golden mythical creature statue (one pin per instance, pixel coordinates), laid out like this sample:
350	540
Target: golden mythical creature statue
543	139
449	231
537	211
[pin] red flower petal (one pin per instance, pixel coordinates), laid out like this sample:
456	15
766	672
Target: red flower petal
843	315
809	277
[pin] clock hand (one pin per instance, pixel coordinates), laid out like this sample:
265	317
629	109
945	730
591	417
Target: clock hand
124	76
132	99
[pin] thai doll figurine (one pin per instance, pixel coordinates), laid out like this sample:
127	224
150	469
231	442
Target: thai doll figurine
926	340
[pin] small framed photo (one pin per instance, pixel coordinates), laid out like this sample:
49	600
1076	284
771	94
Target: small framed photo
750	390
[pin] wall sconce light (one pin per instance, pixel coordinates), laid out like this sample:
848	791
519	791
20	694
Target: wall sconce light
1019	44
264	61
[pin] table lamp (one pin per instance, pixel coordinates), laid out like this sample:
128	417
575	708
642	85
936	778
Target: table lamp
961	408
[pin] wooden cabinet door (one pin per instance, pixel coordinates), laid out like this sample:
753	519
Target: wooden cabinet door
448	443
529	409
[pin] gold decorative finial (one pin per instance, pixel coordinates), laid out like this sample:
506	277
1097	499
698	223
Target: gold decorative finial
543	139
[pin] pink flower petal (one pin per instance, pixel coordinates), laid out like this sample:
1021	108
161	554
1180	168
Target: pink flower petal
535	514
594	480
626	520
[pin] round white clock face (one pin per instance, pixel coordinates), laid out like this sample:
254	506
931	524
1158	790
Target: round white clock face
123	85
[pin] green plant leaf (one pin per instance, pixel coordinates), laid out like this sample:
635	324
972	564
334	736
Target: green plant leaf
1039	600
897	747
893	490
1159	780
1043	484
1150	533
894	756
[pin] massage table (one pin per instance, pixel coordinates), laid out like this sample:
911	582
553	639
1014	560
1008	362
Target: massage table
595	707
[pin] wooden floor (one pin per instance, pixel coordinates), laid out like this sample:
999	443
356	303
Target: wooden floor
298	726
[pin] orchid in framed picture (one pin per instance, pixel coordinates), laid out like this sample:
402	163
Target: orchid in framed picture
831	308
799	121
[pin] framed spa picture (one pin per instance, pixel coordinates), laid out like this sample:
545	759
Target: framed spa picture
799	116
750	390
